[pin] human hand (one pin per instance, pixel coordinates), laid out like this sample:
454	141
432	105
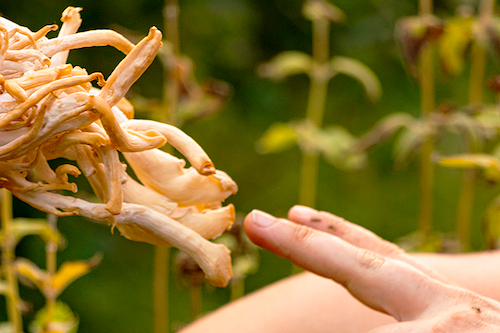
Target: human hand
376	272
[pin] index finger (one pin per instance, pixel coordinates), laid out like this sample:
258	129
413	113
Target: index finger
357	236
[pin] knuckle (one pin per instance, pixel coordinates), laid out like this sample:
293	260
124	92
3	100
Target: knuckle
301	233
368	259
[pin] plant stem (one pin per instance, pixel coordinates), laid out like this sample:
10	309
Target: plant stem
8	257
315	109
476	87
196	300
160	287
170	85
237	288
465	206
427	95
314	113
425	7
51	262
170	96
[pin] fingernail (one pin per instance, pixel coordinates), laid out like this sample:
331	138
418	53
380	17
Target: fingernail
304	212
262	219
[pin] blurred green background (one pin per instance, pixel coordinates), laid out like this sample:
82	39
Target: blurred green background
227	40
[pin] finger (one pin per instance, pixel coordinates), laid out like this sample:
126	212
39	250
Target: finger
357	236
384	284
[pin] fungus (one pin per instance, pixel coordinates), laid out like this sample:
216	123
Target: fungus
49	110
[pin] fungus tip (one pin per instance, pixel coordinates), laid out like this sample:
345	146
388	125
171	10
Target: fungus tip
207	169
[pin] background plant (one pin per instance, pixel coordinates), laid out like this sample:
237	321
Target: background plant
421	38
54	316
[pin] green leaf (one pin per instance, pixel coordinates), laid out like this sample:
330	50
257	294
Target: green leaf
278	137
72	270
360	72
62	321
34	274
336	145
489	119
245	265
286	64
456	37
417	242
23	227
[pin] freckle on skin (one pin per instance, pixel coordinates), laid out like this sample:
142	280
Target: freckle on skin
315	220
331	227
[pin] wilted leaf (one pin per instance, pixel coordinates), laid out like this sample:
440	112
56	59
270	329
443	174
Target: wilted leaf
456	37
493	32
470	128
409	142
62	321
23	227
491	224
360	72
72	270
413	33
490	164
28	270
278	137
384	128
286	64
470	161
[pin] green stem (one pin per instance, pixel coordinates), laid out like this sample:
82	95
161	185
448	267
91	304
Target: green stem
160	287
315	112
237	288
170	85
51	262
8	257
465	207
427	95
425	7
476	84
315	109
196	300
476	87
170	96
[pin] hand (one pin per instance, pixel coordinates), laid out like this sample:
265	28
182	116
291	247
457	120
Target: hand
376	272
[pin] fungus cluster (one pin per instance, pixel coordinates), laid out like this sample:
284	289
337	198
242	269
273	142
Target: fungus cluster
50	110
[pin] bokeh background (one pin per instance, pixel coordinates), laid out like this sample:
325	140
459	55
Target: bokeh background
227	40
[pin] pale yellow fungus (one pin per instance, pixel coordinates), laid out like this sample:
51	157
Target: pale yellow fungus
49	110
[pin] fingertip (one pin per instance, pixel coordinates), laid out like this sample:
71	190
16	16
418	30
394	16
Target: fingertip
301	214
256	224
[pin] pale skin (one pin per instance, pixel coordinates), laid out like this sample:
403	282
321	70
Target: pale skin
360	283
